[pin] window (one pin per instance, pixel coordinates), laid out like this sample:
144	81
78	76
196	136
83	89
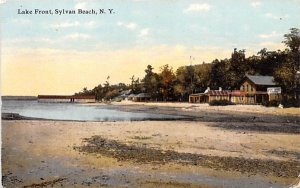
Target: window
247	88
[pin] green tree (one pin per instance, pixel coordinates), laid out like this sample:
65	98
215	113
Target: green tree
288	73
292	40
202	77
184	80
151	82
85	90
237	69
147	84
179	91
182	83
218	74
135	86
167	79
98	91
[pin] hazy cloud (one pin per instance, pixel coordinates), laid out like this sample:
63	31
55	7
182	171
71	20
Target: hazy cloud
144	32
204	7
273	16
66	24
80	5
21	21
255	4
130	25
74	24
266	36
272	45
22	41
75	36
90	24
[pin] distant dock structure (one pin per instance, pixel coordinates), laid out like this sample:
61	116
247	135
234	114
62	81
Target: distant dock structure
67	98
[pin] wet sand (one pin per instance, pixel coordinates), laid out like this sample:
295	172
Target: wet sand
202	152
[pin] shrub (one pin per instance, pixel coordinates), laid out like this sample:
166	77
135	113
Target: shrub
286	103
220	103
272	103
291	103
117	99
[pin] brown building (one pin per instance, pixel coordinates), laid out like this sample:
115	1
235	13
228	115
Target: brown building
253	90
209	95
142	97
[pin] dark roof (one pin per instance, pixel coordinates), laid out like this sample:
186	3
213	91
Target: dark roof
143	95
126	92
262	80
131	95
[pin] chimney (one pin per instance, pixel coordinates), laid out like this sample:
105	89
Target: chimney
207	90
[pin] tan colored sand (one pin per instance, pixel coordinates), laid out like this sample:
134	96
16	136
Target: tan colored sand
196	107
27	143
181	136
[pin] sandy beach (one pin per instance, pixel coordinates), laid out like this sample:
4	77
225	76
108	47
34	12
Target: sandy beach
214	148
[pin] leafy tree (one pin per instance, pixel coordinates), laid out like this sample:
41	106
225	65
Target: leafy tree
184	81
147	79
85	90
167	79
288	73
202	77
292	40
98	91
179	92
218	74
238	67
151	82
135	84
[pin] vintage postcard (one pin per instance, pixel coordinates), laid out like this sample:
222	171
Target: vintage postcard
150	93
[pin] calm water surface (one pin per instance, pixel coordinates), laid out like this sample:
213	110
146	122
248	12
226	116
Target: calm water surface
71	111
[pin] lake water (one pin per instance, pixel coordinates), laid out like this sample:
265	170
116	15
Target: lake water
71	111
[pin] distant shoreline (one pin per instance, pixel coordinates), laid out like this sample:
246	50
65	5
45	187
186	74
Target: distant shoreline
8	97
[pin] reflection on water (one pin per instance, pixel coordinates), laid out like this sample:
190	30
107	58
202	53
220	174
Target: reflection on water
71	111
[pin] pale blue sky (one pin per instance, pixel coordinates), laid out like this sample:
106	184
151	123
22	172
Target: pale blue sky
225	23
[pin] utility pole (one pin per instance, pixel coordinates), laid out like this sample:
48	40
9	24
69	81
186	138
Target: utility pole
192	73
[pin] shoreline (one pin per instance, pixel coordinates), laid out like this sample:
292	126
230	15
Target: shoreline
204	106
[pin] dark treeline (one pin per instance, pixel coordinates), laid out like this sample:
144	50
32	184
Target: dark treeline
170	85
